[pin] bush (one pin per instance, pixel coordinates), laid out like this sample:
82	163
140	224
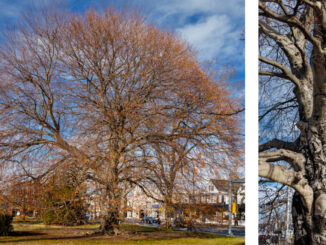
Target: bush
64	216
48	217
63	202
5	224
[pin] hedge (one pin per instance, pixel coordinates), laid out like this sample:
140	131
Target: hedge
5	224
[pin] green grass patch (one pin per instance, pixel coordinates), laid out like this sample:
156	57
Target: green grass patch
26	220
24	226
132	227
168	238
179	241
125	227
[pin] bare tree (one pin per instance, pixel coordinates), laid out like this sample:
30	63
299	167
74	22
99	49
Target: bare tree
95	90
292	66
272	207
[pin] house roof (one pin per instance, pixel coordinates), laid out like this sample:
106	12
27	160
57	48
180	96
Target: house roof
223	185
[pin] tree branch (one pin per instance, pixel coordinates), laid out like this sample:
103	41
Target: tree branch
272	74
288	177
297	160
277	107
286	72
315	5
279	144
294	22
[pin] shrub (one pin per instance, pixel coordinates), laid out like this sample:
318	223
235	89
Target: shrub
72	213
48	217
5	224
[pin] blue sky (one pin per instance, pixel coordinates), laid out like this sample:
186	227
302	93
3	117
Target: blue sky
213	27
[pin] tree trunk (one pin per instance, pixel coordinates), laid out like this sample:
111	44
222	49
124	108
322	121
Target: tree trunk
310	222
169	211
302	229
111	221
309	228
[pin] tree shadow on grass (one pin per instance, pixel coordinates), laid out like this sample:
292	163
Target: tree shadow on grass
30	236
25	233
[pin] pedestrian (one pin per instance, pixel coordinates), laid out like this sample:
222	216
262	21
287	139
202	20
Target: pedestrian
158	220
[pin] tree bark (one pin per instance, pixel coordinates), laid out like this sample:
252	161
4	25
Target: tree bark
309	218
111	221
302	231
169	210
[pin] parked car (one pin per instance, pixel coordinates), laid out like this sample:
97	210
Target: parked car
148	220
179	222
268	239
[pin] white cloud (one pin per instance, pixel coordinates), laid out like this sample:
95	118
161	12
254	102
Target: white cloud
234	8
213	37
212	27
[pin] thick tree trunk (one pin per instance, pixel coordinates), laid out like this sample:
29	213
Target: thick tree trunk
310	222
110	223
302	229
309	228
169	211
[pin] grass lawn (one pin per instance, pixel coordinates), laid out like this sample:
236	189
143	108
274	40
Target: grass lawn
134	234
41	226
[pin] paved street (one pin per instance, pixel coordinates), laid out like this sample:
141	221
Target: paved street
220	230
236	231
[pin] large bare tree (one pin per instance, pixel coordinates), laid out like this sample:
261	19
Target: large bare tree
95	90
292	86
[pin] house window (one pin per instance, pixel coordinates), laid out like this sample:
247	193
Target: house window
211	188
211	199
226	200
204	199
197	200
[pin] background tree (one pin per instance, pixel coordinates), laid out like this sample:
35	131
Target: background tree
273	209
292	66
23	196
63	197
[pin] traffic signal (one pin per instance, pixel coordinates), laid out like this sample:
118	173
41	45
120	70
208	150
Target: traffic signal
234	207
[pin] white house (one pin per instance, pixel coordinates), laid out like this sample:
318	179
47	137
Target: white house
139	205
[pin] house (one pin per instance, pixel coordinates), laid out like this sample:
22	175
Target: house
139	205
209	202
217	191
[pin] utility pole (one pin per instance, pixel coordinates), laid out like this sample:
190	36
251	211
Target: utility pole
230	203
230	208
287	234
